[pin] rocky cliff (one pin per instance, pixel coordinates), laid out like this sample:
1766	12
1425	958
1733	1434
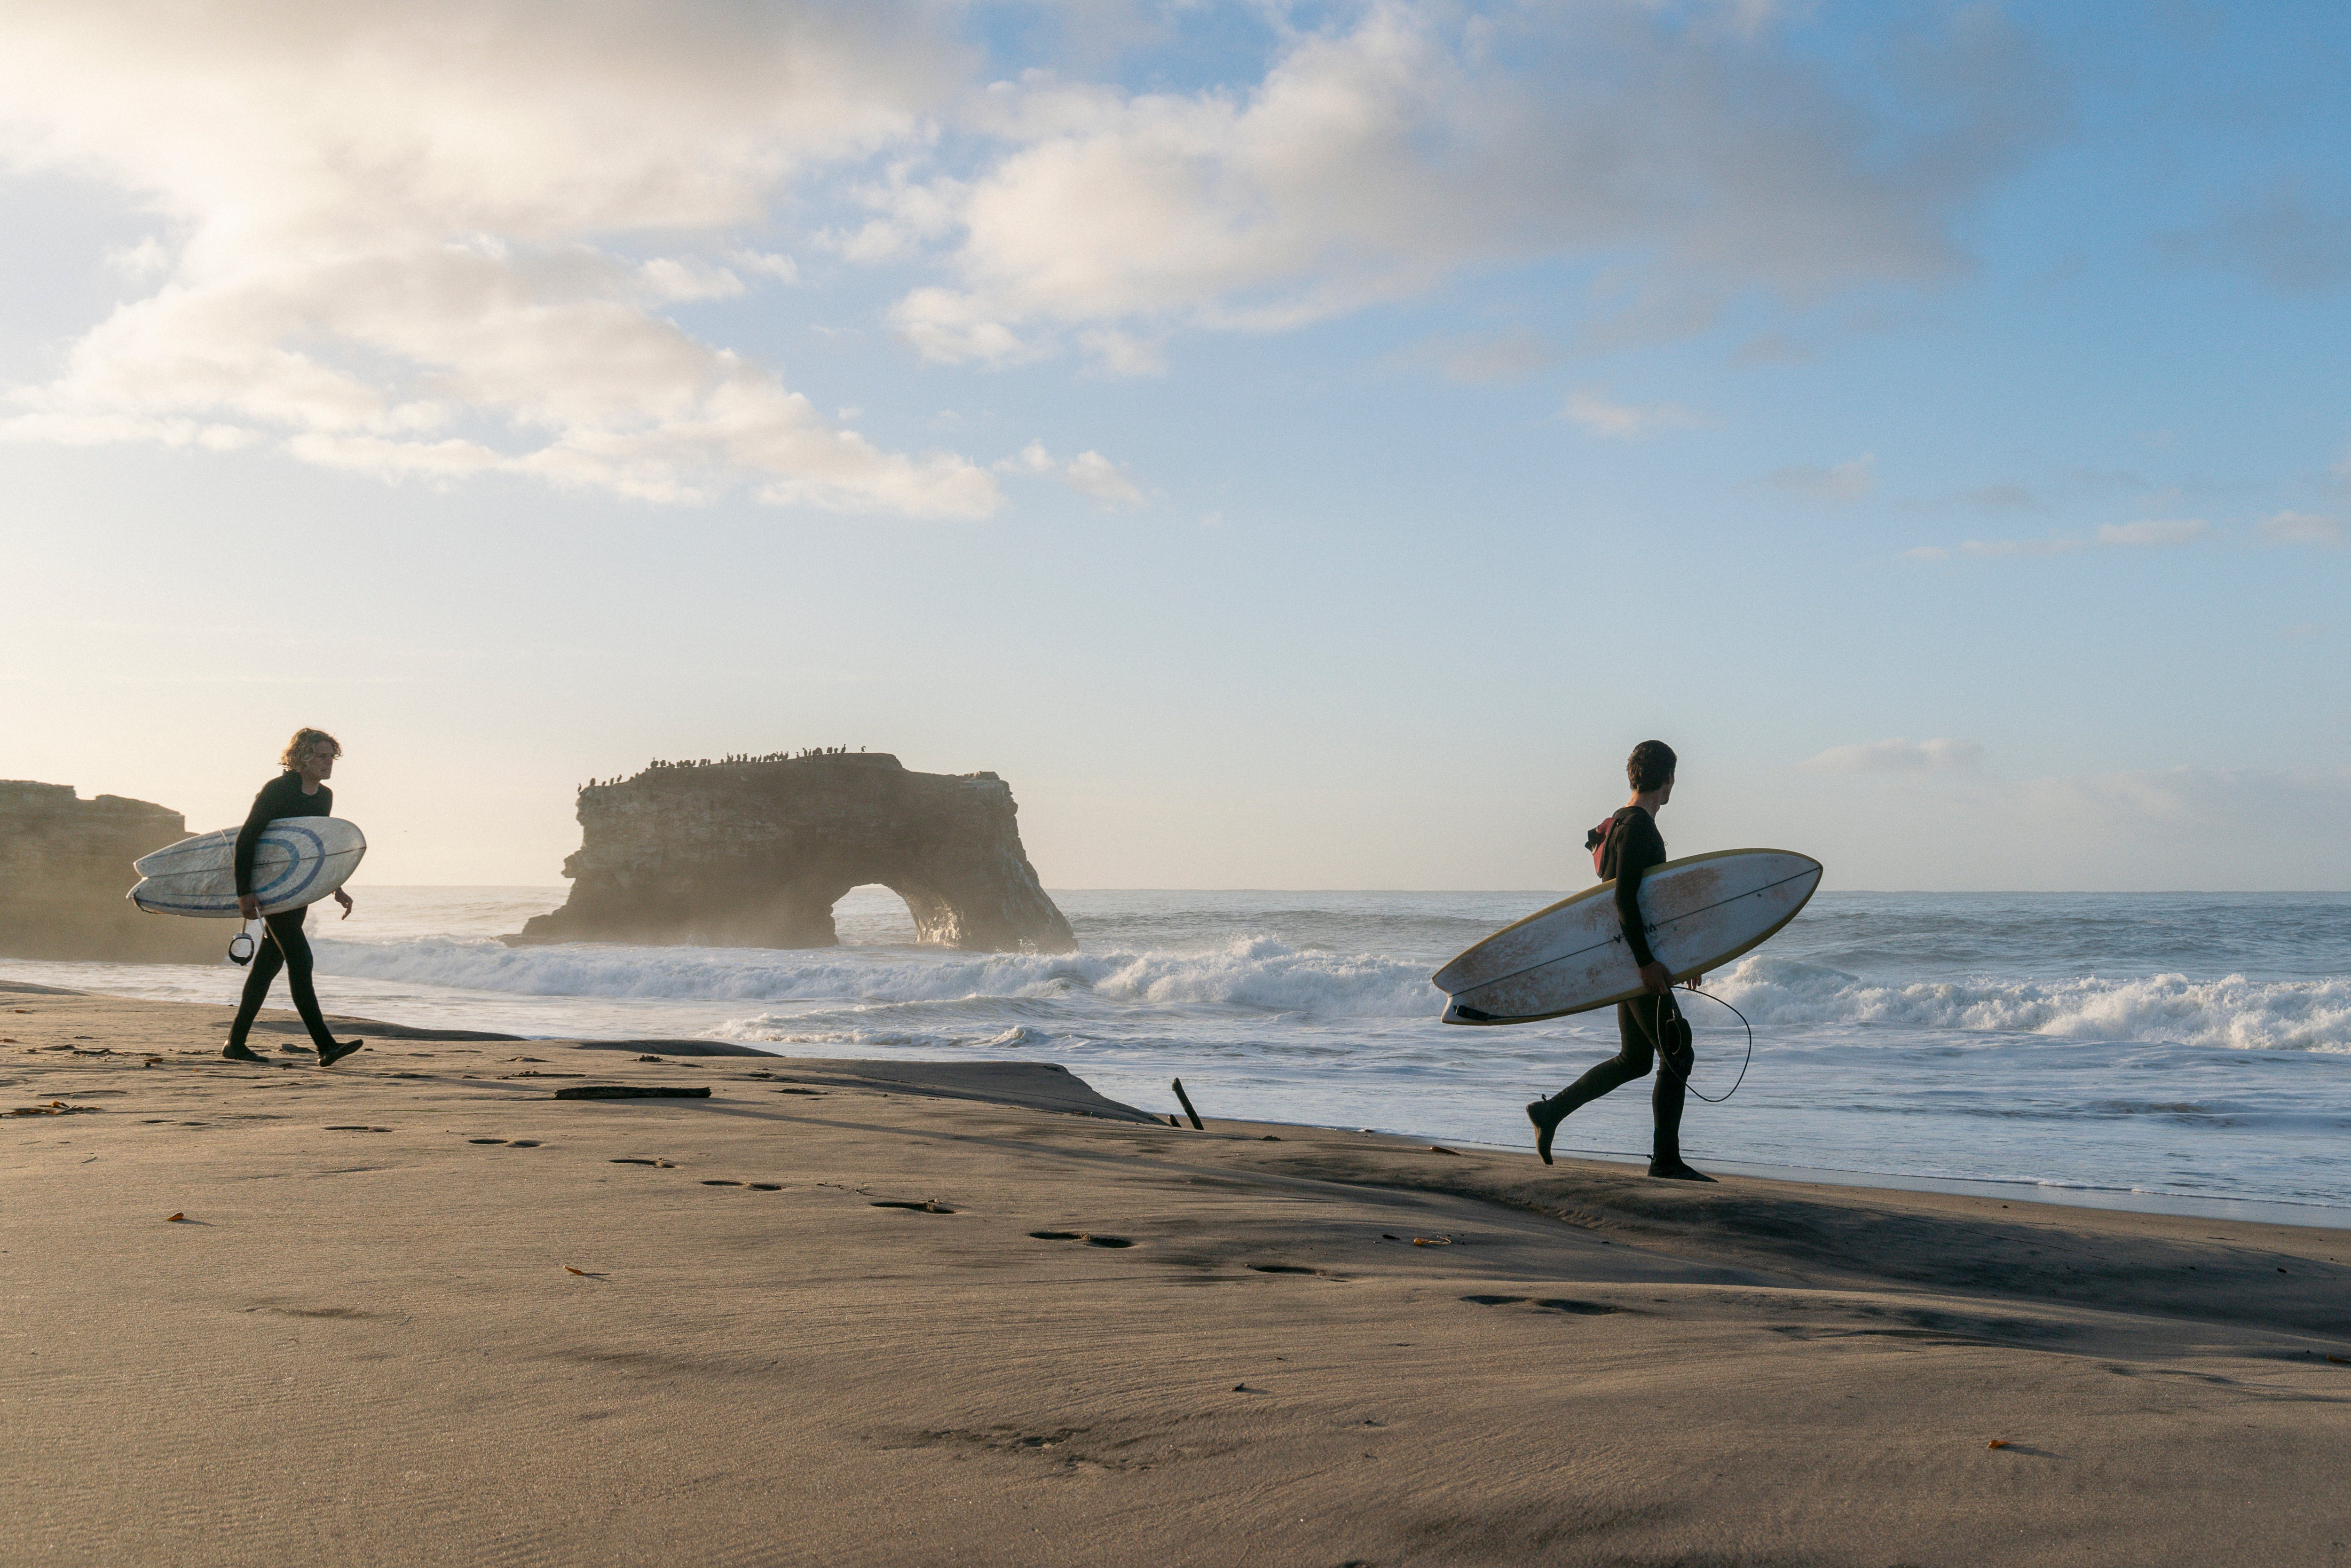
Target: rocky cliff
755	853
65	864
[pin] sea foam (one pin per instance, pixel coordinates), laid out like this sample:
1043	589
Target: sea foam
2231	1011
1247	972
1261	974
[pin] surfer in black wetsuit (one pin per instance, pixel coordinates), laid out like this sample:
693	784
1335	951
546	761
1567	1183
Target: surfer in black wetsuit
299	791
1645	1025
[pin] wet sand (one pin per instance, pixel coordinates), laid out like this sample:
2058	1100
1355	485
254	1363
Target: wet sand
418	1310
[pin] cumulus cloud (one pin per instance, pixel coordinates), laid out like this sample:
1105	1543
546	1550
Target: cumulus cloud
1592	410
407	236
1089	473
1944	755
1092	474
1847	481
2153	533
1372	161
2302	528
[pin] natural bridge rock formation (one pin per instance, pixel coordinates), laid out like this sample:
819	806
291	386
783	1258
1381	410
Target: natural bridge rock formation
754	854
65	864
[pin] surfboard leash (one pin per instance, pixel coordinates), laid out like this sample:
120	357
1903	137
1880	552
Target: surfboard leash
1714	1099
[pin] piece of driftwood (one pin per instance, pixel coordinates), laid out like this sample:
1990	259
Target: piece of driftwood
1185	1101
630	1092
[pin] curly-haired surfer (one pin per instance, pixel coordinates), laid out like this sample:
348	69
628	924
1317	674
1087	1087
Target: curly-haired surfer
299	791
1630	846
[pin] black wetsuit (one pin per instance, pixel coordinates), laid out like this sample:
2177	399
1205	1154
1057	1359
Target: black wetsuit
1634	846
285	947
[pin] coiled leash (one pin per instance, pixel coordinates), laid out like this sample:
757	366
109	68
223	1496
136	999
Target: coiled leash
1665	1065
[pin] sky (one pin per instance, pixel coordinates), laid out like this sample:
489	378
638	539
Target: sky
1296	445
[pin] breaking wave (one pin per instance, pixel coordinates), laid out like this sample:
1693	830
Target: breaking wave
1261	974
2232	1012
1253	972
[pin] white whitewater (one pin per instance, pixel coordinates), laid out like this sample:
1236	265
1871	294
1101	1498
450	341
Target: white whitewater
2115	1044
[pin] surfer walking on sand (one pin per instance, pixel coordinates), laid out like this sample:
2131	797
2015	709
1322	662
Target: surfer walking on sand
1649	1026
299	791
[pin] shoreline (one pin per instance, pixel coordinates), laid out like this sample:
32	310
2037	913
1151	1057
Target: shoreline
419	1308
2313	1213
2126	1200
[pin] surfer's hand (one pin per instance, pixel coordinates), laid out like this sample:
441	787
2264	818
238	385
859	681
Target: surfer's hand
345	900
1656	977
248	905
1694	982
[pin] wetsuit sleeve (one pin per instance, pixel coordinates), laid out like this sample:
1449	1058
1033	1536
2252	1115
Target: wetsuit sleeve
248	837
1640	849
1628	911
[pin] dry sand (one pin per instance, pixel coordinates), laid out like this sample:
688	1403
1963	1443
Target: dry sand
418	1310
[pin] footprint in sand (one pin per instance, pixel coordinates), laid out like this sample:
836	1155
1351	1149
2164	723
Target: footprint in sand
354	1128
1283	1268
635	1160
765	1185
931	1207
719	1181
1089	1237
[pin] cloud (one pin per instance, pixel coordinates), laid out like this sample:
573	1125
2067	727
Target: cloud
2168	533
1089	474
1092	474
2290	241
2302	528
2001	496
406	235
1593	410
1847	481
1373	161
1488	356
1898	757
2153	533
783	269
140	262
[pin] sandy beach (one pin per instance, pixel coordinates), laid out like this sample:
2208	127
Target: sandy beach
418	1310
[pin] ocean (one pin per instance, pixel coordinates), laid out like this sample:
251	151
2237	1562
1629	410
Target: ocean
2169	1050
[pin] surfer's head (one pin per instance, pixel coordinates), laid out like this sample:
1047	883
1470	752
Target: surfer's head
1650	767
311	751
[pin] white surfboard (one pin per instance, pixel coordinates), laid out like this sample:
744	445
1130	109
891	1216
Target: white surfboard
299	861
1698	914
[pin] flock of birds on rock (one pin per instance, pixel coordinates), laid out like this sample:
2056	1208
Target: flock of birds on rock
657	765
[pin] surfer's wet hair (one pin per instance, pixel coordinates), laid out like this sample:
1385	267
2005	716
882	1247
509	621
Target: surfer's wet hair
302	740
1651	764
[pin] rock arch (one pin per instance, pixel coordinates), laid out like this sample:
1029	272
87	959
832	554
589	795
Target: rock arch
756	854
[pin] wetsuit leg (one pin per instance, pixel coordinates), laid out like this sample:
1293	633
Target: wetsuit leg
1632	1061
1673	1082
267	959
285	947
286	930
